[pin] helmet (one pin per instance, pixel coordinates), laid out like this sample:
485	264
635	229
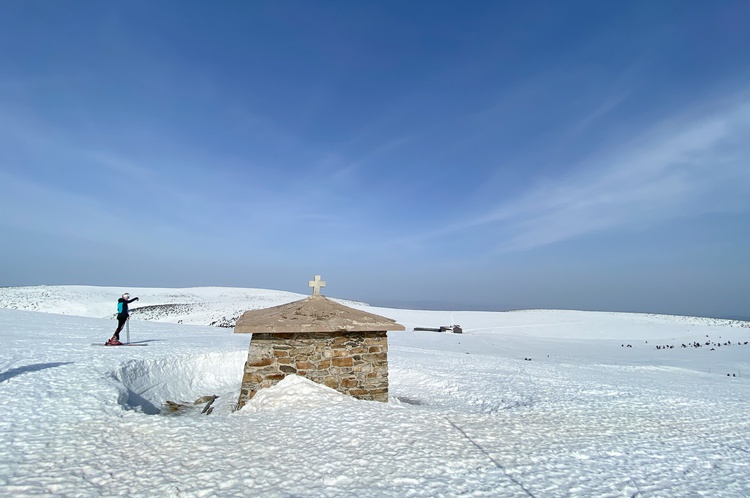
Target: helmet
126	296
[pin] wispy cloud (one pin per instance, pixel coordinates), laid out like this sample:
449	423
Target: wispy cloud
681	168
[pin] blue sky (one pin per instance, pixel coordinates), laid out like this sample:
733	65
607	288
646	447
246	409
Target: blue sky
474	155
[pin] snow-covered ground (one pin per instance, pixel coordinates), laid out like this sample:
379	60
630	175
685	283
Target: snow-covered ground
218	306
528	403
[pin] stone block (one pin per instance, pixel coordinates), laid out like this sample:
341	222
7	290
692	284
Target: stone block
252	378
377	357
342	362
349	383
263	362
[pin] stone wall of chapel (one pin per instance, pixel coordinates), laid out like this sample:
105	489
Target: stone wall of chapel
353	363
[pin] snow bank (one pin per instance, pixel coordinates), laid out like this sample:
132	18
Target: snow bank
150	384
292	393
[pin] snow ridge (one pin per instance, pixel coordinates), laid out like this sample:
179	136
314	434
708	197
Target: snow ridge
214	306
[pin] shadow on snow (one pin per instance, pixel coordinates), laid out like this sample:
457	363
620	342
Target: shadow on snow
13	372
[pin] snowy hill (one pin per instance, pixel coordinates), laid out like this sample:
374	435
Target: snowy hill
221	306
216	306
528	403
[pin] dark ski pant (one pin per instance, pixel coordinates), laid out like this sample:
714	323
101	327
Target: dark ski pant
121	319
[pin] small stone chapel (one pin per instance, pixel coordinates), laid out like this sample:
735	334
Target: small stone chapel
321	340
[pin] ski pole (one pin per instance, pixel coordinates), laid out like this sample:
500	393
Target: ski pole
127	329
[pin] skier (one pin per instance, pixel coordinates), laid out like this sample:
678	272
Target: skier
122	317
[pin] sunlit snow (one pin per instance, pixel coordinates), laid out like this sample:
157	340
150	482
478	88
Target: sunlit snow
528	403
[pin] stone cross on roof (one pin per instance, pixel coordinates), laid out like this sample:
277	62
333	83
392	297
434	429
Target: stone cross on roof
316	285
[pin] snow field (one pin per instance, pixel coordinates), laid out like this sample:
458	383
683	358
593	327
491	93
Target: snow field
468	415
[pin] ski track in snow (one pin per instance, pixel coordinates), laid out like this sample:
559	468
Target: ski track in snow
468	415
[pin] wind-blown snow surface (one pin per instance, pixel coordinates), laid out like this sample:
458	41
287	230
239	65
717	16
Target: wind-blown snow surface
585	415
198	305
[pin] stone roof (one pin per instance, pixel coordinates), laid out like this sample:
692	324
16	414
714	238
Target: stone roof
314	314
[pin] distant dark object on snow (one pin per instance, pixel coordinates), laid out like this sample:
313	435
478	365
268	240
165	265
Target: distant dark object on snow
456	329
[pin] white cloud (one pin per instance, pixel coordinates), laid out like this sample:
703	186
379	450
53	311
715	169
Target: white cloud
679	169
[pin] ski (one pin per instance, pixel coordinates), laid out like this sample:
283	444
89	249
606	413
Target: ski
116	345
